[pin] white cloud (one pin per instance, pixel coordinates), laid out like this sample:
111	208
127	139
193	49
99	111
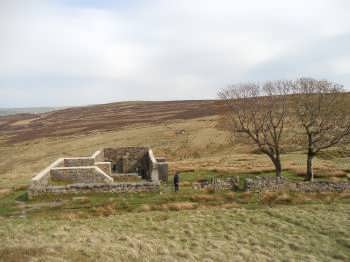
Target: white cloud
163	49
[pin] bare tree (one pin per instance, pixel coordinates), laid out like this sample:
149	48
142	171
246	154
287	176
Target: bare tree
322	110
259	112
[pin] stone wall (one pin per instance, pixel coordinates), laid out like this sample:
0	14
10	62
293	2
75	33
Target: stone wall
215	184
163	171
259	184
98	156
89	174
126	159
79	161
97	187
152	166
105	167
42	178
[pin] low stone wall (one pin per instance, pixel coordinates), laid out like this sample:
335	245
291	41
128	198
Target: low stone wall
83	188
99	156
259	184
89	174
215	184
322	186
79	161
42	179
105	167
128	175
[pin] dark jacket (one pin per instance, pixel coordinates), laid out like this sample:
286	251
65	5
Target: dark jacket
176	179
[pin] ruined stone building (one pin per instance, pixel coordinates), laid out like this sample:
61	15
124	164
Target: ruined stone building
124	169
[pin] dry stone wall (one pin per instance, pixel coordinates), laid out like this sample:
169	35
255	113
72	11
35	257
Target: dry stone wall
215	184
259	184
90	174
82	188
98	156
79	161
42	179
93	174
105	167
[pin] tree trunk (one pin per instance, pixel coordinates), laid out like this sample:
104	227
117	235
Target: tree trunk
278	166
309	169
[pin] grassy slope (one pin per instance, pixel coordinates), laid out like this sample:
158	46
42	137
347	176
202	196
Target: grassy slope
302	232
201	146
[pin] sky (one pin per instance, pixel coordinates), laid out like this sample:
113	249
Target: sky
75	52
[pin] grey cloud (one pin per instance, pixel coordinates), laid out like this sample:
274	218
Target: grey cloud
312	59
116	50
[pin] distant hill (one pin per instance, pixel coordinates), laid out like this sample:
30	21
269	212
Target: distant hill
27	110
79	120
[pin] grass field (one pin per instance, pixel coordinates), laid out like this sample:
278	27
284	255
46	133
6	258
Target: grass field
191	225
288	233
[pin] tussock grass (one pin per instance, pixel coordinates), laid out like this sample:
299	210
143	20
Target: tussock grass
299	233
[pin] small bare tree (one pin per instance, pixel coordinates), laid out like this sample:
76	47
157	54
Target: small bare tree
322	110
259	112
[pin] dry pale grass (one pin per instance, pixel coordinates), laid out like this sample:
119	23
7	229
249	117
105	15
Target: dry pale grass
290	233
275	198
24	122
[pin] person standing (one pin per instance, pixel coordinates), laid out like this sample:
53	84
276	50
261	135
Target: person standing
176	181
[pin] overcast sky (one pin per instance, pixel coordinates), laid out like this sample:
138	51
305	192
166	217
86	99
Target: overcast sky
75	52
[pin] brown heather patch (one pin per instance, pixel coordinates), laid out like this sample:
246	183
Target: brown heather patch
177	206
145	208
210	190
344	195
181	206
230	205
73	215
230	195
283	198
105	210
205	198
4	192
319	172
268	198
246	195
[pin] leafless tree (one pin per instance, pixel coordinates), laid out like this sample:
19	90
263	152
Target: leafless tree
259	112
322	110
